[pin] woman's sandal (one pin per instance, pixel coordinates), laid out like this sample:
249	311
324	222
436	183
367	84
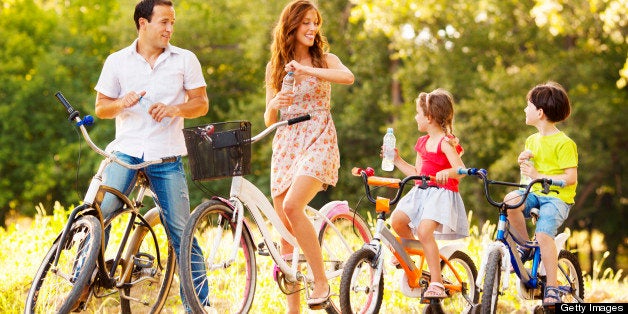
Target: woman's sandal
316	303
551	296
435	290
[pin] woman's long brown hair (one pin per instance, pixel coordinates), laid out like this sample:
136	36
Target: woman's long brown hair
284	41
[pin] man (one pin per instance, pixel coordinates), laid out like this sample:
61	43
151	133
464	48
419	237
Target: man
149	87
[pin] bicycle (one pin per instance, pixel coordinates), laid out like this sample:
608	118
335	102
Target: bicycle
76	269
226	237
362	283
502	254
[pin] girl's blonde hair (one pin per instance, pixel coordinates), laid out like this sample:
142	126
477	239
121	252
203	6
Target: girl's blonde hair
284	41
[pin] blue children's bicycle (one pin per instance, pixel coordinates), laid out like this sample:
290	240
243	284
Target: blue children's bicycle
502	255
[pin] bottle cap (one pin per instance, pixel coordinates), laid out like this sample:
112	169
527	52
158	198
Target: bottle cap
390	130
290	73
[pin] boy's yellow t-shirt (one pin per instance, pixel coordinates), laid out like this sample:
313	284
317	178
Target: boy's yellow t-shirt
552	155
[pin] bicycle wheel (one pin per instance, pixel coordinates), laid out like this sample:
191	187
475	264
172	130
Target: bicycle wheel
230	270
148	283
62	288
359	291
490	293
349	231
466	270
570	277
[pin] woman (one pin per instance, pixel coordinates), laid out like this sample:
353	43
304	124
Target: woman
305	155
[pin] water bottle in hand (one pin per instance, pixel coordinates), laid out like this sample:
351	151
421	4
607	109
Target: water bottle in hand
524	178
288	82
288	85
389	151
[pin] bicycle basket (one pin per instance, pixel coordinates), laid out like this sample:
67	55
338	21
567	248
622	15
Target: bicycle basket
224	153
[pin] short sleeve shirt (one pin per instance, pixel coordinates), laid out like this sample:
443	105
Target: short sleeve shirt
552	155
137	133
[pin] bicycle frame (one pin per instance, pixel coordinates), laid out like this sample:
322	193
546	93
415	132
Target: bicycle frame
243	194
246	194
93	199
506	240
403	248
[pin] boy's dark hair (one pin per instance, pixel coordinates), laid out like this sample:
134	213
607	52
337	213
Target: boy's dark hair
144	9
553	99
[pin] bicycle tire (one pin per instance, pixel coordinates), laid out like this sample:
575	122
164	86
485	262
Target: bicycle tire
61	290
232	287
354	232
490	293
572	273
457	302
140	283
356	287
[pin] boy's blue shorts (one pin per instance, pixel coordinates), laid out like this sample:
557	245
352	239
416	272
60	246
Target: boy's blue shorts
552	212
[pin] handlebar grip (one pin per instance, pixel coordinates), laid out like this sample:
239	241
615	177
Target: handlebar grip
64	102
73	113
558	183
471	171
299	119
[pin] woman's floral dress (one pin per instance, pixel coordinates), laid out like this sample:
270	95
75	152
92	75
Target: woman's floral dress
308	148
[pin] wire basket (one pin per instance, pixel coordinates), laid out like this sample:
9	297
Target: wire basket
219	150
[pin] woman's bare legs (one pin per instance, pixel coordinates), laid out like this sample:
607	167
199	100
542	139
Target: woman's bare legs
291	208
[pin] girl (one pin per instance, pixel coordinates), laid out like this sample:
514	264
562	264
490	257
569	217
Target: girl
438	211
305	155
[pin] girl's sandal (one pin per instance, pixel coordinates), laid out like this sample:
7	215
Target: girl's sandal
435	290
551	296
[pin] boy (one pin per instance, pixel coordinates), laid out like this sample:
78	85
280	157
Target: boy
554	156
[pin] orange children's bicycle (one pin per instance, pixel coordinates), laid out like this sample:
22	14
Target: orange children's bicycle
362	283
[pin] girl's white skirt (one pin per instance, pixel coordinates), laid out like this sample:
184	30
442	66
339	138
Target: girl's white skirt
439	204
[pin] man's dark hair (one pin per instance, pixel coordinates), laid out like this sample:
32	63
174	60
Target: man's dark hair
144	9
553	99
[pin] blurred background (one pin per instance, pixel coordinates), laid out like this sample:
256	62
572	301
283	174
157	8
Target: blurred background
488	53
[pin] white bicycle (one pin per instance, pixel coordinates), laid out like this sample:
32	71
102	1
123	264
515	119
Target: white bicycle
222	228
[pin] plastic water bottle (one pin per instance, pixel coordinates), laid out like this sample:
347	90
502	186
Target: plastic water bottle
288	85
288	82
525	179
389	151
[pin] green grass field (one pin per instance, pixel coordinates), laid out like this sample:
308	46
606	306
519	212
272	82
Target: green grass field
25	242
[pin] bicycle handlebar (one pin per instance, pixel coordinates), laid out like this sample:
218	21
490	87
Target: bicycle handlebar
371	180
275	125
74	115
483	174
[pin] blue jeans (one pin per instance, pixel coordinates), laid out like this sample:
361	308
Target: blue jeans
168	183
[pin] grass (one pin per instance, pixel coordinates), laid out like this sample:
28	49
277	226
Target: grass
24	243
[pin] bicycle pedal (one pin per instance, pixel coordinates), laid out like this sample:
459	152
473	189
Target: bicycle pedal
321	306
143	260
